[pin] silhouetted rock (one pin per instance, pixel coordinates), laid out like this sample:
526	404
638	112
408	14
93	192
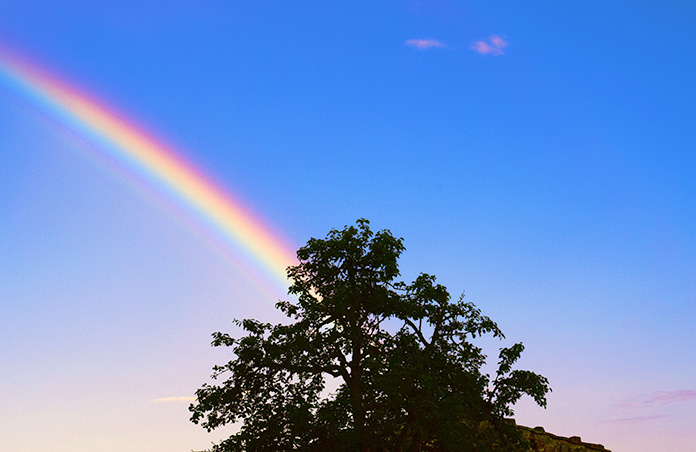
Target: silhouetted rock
542	441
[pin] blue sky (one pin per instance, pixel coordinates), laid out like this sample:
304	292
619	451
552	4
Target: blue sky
551	178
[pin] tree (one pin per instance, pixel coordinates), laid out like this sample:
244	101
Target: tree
408	376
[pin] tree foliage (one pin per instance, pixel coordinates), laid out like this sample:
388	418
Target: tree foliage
406	373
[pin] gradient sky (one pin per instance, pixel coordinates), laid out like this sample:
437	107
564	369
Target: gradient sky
538	155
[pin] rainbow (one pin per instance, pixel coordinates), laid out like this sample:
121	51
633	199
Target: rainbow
148	158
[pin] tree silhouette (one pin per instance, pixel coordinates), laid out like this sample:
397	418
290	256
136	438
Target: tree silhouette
407	376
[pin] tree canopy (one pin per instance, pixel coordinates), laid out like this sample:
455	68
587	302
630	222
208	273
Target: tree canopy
365	362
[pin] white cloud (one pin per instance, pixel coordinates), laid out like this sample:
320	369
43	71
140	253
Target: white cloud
424	43
494	46
173	399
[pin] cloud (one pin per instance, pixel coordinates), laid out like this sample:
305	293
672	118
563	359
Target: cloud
661	398
637	419
424	44
173	399
494	46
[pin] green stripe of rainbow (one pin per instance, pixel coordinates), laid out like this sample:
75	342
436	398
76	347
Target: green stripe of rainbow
159	163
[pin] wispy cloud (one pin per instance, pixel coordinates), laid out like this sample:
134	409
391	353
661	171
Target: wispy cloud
173	399
493	46
637	419
424	44
661	398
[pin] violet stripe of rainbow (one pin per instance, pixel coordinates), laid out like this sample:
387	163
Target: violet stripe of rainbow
150	158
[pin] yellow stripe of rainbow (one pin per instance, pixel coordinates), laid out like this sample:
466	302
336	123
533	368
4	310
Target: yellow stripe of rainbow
152	159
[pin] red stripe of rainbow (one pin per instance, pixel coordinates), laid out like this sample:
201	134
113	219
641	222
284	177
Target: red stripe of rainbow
150	158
